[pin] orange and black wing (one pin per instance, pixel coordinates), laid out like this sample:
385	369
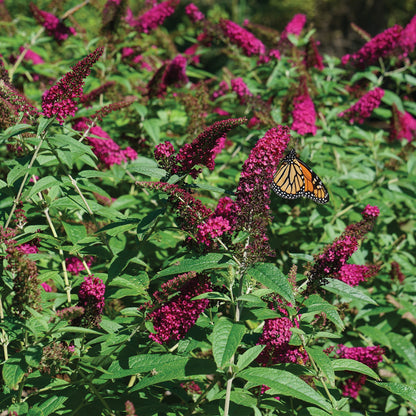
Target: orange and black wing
294	179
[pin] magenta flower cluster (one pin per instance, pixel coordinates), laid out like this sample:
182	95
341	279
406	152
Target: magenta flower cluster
394	41
294	27
194	13
335	255
52	24
31	56
242	38
380	46
403	125
241	89
214	227
200	152
276	336
154	17
106	150
171	73
74	265
91	298
304	115
369	356
253	191
364	107
59	100
353	274
174	316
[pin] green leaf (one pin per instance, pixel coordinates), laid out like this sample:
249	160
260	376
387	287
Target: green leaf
120	227
75	232
78	330
403	347
199	264
342	289
345	364
42	184
153	172
17	172
402	390
148	221
323	362
52	405
226	338
13	371
285	383
169	367
270	276
152	128
15	130
249	356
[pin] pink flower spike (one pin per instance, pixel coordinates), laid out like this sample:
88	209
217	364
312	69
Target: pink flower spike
46	287
242	38
193	12
52	24
59	100
403	125
364	107
304	115
154	17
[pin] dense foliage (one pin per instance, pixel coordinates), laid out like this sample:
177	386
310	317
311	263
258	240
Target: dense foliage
147	269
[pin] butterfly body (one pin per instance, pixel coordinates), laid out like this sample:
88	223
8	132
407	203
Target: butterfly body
294	179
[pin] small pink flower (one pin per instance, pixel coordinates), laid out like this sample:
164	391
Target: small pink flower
241	89
353	274
31	56
371	211
46	287
154	17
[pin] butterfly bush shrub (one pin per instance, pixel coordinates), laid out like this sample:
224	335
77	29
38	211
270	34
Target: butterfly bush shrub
146	266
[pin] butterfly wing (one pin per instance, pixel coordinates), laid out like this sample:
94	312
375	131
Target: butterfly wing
294	179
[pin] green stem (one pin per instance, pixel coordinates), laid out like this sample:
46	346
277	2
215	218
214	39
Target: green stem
3	340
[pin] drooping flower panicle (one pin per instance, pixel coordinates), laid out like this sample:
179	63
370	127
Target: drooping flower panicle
335	255
52	24
60	99
364	107
173	317
242	38
91	298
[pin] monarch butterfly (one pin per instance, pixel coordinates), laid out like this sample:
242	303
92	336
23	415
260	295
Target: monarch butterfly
294	179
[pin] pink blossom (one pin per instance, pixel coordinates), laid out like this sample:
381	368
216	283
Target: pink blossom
371	211
253	191
242	38
364	107
383	45
154	17
304	115
106	150
334	256
52	24
31	56
403	125
241	89
28	248
407	40
46	287
294	27
353	274
214	227
74	265
59	100
176	315
91	298
369	356
276	336
203	149
220	112
193	12
223	88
